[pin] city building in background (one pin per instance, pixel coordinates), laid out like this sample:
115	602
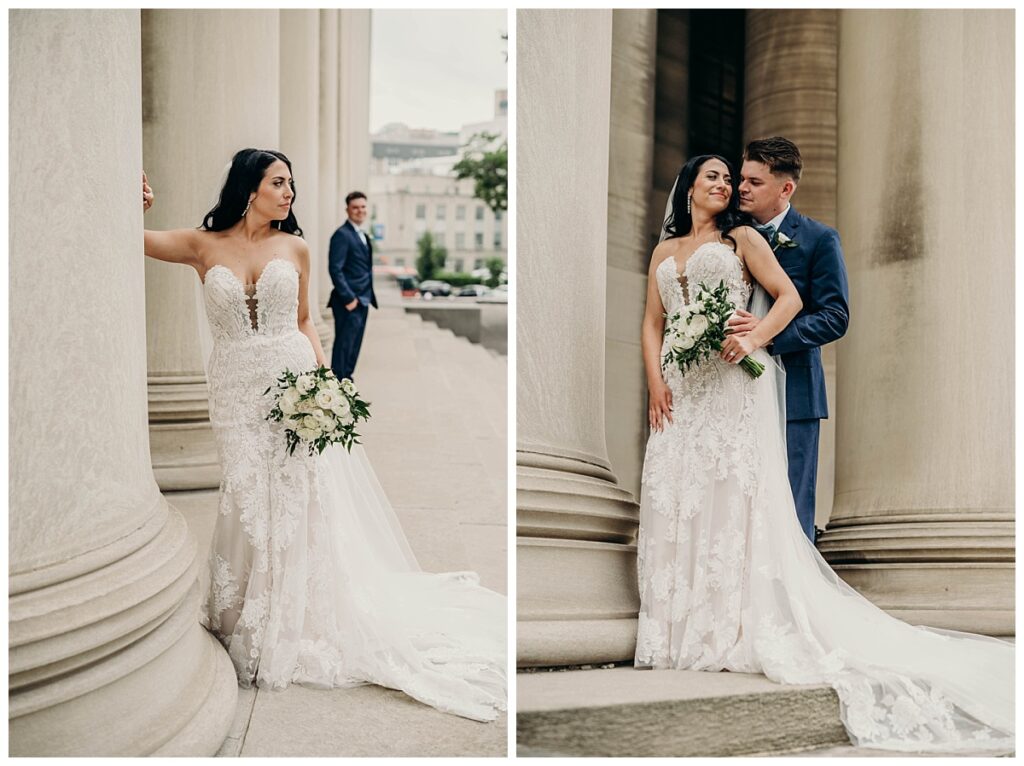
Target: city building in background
414	189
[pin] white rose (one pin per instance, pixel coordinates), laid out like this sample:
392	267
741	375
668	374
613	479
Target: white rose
305	383
287	405
348	387
698	325
292	395
307	435
310	422
782	238
333	384
684	343
326	398
306	406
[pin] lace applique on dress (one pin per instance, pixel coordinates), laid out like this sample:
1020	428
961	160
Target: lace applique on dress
309	580
728	581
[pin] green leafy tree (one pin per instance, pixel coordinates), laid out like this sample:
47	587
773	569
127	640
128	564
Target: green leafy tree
431	258
487	165
495	266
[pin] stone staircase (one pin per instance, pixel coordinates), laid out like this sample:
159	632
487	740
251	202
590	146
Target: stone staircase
622	711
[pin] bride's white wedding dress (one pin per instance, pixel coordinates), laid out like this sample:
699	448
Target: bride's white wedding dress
728	580
312	580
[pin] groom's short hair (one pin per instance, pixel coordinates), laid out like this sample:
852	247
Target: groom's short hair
778	153
353	195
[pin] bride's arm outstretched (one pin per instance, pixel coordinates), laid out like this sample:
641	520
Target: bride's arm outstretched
763	266
175	246
306	325
659	400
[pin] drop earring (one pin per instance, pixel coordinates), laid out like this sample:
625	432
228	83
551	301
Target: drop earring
247	204
688	198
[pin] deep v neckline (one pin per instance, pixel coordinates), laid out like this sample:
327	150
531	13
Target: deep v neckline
239	281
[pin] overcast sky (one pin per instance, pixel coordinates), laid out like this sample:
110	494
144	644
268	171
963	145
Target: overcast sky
436	69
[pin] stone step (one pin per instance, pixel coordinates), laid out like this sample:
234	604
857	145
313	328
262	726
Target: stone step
623	711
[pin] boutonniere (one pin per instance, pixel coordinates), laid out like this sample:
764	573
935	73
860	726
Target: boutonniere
781	240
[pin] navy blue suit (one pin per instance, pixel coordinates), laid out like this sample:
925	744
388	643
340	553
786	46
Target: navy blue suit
350	263
817	269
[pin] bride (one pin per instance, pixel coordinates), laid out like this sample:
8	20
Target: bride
311	578
728	581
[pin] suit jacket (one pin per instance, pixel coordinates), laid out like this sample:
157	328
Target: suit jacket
350	264
817	269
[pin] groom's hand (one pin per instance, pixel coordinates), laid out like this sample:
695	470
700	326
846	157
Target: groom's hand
742	322
351	306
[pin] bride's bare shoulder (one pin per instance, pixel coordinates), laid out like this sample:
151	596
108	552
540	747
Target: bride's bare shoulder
667	248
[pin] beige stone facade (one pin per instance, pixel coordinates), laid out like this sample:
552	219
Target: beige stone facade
106	653
915	472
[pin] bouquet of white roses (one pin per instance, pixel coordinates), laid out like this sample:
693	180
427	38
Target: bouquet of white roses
699	330
317	409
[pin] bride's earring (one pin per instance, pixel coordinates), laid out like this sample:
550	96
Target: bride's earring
247	204
688	198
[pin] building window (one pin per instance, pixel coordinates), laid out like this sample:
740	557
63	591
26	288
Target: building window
439	238
440	212
421	211
399	261
479	212
497	215
460	240
460	212
478	263
497	240
460	264
478	240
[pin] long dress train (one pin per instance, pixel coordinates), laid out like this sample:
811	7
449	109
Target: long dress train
312	580
729	581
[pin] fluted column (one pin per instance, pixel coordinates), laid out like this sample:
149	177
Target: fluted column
106	656
923	518
791	79
209	89
353	101
300	136
332	210
577	595
630	160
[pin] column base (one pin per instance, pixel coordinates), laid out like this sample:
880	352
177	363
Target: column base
181	441
928	570
577	595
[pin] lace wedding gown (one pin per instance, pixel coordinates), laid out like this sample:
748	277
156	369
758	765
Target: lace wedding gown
729	582
312	580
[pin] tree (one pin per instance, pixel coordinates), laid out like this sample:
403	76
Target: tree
487	165
495	266
431	258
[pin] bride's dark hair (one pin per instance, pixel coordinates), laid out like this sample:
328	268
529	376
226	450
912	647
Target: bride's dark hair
679	222
247	169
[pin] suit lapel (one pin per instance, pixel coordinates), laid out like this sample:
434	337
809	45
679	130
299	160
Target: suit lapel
354	233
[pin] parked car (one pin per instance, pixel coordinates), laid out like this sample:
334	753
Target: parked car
475	291
435	287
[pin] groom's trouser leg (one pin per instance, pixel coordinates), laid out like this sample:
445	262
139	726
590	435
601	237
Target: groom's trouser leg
348	338
802	452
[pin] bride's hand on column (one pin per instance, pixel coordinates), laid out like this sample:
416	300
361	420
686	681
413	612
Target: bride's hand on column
147	193
659	408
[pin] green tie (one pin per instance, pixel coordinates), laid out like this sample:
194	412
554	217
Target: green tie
767	231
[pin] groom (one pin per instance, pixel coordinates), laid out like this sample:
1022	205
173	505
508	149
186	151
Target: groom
811	255
350	262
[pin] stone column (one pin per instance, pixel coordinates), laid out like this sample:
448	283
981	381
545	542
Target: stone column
577	595
300	136
923	518
106	656
210	88
332	209
630	165
790	90
353	101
